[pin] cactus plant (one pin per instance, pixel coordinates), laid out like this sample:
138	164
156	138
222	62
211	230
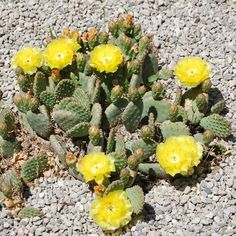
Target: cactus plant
96	105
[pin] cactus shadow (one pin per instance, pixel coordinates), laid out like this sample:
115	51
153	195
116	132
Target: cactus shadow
181	183
215	95
26	192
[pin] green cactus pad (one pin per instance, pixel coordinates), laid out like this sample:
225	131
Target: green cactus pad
115	185
8	147
82	97
150	67
152	169
65	88
148	148
33	168
120	161
217	124
132	115
64	102
120	145
162	108
81	111
11	183
79	130
114	111
95	96
135	81
29	212
39	123
169	129
25	83
218	107
96	115
193	113
65	119
40	83
48	99
59	148
136	197
111	141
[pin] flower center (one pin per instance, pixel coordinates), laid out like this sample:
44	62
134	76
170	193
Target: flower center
107	58
192	72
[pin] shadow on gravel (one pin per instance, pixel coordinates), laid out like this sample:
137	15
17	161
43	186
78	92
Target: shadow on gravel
26	192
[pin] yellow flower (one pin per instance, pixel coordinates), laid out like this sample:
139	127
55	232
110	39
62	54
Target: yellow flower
28	59
59	53
191	71
179	155
95	166
106	57
112	211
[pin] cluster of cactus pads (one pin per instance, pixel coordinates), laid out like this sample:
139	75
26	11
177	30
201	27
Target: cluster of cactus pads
88	107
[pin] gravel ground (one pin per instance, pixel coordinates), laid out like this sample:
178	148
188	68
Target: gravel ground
205	206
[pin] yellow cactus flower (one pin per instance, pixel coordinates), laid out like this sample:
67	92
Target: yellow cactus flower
28	59
112	211
59	53
191	71
106	58
96	166
178	155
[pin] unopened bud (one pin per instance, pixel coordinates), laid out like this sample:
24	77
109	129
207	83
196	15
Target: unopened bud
208	136
202	102
70	158
173	112
158	90
142	90
103	37
116	93
133	94
133	66
206	85
137	31
133	162
94	134
80	61
113	28
147	133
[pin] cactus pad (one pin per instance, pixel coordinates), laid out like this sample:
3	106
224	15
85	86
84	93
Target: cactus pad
65	88
33	168
132	115
169	129
39	123
40	83
29	212
152	169
59	148
48	99
79	130
136	197
217	124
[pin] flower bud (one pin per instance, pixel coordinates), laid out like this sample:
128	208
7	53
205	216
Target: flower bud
125	175
70	158
139	154
133	94
128	23
24	83
206	85
173	112
137	31
142	90
158	90
19	71
116	93
103	37
202	102
133	66
113	28
208	136
133	162
147	133
94	135
80	61
126	43
144	45
88	70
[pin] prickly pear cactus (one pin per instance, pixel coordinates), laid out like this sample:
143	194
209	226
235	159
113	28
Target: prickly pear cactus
110	98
